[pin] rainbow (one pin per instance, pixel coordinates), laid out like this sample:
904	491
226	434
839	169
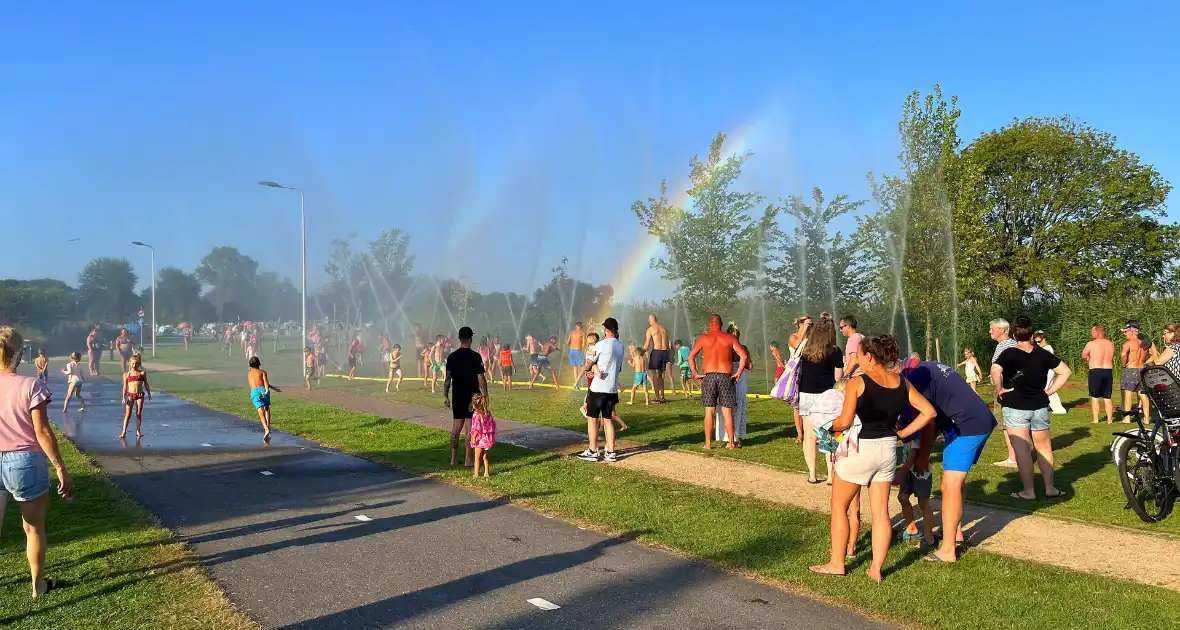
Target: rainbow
647	246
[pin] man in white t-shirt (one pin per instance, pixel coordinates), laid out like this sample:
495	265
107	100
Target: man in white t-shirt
604	391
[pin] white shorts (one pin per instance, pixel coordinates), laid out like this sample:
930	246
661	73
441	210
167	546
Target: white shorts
806	402
874	461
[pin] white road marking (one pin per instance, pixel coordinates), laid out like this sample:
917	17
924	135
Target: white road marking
362	518
163	425
267	473
543	604
206	444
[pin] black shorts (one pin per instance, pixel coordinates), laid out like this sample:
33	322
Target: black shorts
911	485
351	362
658	361
461	407
1101	383
601	405
718	390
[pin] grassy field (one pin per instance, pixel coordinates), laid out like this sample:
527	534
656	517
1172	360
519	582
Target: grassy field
119	569
1083	462
773	542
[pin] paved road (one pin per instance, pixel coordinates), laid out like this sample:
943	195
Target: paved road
331	541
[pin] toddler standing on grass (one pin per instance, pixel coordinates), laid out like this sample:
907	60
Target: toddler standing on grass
919	484
483	433
640	366
506	367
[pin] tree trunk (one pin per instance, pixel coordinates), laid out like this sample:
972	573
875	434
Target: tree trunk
929	336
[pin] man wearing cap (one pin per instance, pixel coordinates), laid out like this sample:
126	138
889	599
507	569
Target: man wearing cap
1134	356
464	379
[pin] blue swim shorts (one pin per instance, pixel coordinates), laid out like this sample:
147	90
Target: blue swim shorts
577	357
962	451
260	398
25	474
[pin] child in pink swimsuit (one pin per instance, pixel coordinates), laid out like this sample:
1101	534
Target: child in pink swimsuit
483	433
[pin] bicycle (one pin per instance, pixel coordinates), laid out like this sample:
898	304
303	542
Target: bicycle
1148	460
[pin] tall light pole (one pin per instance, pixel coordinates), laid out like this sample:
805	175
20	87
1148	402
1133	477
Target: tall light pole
303	260
140	244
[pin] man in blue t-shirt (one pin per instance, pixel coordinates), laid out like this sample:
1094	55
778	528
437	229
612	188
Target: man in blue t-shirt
966	422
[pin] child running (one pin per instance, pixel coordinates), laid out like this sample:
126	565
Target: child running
73	382
970	367
395	367
640	366
42	364
135	386
506	367
483	433
308	366
260	389
434	358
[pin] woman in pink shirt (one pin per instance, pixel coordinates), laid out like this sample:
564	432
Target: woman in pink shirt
27	445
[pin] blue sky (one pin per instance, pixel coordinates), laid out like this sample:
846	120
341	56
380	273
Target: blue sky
504	136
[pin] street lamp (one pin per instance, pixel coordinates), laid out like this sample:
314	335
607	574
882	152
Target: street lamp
303	258
141	244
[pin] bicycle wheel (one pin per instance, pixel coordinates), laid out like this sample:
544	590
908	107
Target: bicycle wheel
1148	492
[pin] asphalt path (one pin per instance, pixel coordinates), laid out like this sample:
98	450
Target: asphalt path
300	536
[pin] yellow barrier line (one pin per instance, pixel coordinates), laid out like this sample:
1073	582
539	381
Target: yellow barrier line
424	379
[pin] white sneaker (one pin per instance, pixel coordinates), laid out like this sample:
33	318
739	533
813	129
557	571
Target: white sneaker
588	455
609	456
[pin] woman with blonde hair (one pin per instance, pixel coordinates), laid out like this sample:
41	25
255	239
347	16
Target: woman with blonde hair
27	446
802	326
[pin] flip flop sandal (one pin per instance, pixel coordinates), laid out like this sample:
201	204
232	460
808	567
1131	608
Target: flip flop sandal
815	481
823	571
50	584
930	557
1060	493
1016	495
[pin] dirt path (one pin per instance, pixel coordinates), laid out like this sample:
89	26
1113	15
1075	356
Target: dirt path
1118	553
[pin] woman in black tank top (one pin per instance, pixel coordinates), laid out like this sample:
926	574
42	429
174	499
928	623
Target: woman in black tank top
878	398
879	408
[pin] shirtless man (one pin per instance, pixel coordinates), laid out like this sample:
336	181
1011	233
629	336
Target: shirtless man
1134	356
576	342
656	346
1100	354
719	382
530	347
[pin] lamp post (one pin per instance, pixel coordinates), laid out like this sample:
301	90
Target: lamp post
141	244
303	260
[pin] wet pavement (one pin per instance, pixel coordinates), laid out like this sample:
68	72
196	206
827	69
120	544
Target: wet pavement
301	536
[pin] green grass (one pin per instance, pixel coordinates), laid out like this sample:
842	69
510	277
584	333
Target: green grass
121	570
1083	461
983	591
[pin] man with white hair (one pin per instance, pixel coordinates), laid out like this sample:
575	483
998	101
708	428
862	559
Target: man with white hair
998	329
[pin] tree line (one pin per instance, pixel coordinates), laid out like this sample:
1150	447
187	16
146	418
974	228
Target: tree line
1037	214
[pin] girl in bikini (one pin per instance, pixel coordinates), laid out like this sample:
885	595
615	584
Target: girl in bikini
135	386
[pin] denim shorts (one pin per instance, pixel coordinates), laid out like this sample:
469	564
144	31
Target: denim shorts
1035	419
25	474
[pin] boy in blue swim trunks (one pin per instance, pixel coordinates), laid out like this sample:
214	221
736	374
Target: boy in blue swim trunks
640	366
260	389
686	380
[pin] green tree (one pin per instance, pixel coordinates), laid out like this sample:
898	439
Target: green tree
106	290
373	280
44	303
178	297
1053	208
562	301
230	276
806	268
909	240
714	244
